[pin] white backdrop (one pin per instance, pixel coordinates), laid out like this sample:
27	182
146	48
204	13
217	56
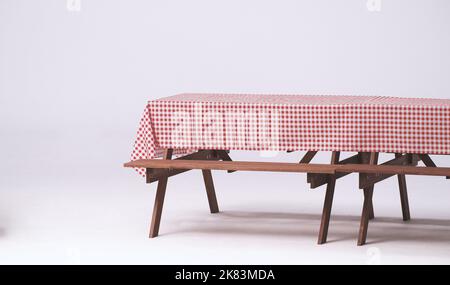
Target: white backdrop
74	81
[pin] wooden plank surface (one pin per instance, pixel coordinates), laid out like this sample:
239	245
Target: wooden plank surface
391	169
233	165
288	167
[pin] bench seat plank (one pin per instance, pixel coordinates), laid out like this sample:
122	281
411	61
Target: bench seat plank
288	167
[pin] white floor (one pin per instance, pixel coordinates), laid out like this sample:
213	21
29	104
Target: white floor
74	215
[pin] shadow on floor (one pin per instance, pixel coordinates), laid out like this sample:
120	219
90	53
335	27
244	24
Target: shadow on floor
342	227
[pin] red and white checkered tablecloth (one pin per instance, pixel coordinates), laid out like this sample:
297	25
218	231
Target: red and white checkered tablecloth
293	122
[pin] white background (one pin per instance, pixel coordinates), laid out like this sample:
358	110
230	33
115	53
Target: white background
73	85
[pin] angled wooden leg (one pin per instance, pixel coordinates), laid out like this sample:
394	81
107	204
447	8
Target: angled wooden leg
365	216
404	197
210	192
403	194
365	158
367	206
371	212
328	203
309	155
326	212
159	200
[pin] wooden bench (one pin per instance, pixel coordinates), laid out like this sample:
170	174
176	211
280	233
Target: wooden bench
366	164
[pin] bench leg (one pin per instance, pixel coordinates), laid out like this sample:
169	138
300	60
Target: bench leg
159	200
210	192
328	203
326	213
365	216
367	211
365	158
371	212
403	195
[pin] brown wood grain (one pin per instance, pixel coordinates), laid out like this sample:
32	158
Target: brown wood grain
367	211
404	201
317	180
390	169
232	165
309	155
369	180
289	167
210	191
223	155
328	202
159	200
427	160
153	175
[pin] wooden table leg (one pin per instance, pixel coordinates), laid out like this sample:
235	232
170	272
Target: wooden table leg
365	158
403	193
159	200
371	211
367	206
210	192
328	203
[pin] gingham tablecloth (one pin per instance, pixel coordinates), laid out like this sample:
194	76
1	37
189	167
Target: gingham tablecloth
187	122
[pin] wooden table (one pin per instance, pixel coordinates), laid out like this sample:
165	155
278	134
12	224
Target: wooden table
196	127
